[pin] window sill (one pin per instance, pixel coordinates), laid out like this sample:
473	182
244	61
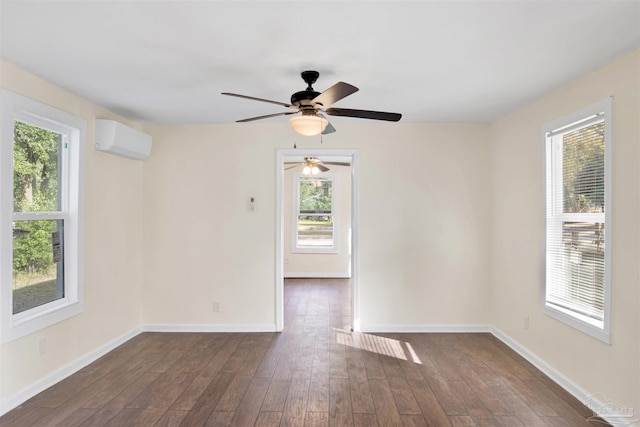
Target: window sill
314	250
584	324
34	320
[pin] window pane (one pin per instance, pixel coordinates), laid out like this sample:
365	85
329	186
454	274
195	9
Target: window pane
38	264
315	219
582	287
315	230
583	169
315	195
36	164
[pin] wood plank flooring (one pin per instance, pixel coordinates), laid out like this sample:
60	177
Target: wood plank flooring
315	373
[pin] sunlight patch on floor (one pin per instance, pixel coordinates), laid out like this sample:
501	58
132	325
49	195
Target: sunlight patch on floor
376	344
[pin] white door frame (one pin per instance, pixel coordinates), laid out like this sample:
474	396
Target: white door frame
281	155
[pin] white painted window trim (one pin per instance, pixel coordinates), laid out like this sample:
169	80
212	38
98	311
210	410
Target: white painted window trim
599	330
17	107
335	213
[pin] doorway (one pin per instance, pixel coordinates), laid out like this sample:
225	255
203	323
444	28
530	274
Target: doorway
285	158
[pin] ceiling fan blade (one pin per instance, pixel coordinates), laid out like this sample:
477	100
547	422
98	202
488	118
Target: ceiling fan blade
284	104
337	163
329	129
322	168
364	114
291	167
286	113
335	93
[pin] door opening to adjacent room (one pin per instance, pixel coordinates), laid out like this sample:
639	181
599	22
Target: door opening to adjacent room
316	223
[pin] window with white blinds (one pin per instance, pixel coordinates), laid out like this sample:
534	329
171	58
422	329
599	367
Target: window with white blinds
577	233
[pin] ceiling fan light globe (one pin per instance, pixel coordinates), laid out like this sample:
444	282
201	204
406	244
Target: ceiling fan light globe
306	170
315	170
308	125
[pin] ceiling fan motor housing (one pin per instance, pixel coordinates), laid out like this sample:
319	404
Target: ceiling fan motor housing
303	97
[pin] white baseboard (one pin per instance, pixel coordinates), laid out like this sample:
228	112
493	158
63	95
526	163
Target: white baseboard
596	402
599	404
210	328
424	329
44	383
55	377
293	275
567	384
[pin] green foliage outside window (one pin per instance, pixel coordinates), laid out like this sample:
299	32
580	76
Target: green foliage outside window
315	216
583	169
315	195
35	189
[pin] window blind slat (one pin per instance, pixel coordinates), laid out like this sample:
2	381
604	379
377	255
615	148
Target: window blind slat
576	227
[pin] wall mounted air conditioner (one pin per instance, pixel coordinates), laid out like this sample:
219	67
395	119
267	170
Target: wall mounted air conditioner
115	138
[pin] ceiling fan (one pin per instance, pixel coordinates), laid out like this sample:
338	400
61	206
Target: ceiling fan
310	107
313	165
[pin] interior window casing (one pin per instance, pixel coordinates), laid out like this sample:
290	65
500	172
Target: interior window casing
578	236
72	129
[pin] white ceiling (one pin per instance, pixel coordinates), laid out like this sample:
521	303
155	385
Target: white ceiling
432	61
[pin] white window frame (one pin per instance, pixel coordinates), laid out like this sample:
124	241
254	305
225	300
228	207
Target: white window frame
16	107
582	118
295	248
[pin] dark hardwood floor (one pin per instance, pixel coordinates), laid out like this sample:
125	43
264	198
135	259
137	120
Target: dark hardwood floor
315	373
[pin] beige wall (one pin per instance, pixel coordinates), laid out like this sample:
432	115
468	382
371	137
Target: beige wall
518	218
202	242
319	264
113	257
451	232
424	234
424	213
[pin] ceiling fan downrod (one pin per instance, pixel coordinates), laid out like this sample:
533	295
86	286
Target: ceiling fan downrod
310	78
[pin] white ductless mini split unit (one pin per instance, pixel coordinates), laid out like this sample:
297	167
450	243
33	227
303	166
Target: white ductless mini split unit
115	138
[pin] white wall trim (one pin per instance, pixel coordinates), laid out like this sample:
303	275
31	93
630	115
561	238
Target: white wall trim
591	400
281	154
220	327
319	275
16	107
60	374
567	384
424	328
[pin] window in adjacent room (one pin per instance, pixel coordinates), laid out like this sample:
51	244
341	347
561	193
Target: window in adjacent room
41	222
578	195
316	221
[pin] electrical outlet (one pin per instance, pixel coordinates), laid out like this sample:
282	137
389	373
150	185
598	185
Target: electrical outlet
42	346
216	307
526	323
